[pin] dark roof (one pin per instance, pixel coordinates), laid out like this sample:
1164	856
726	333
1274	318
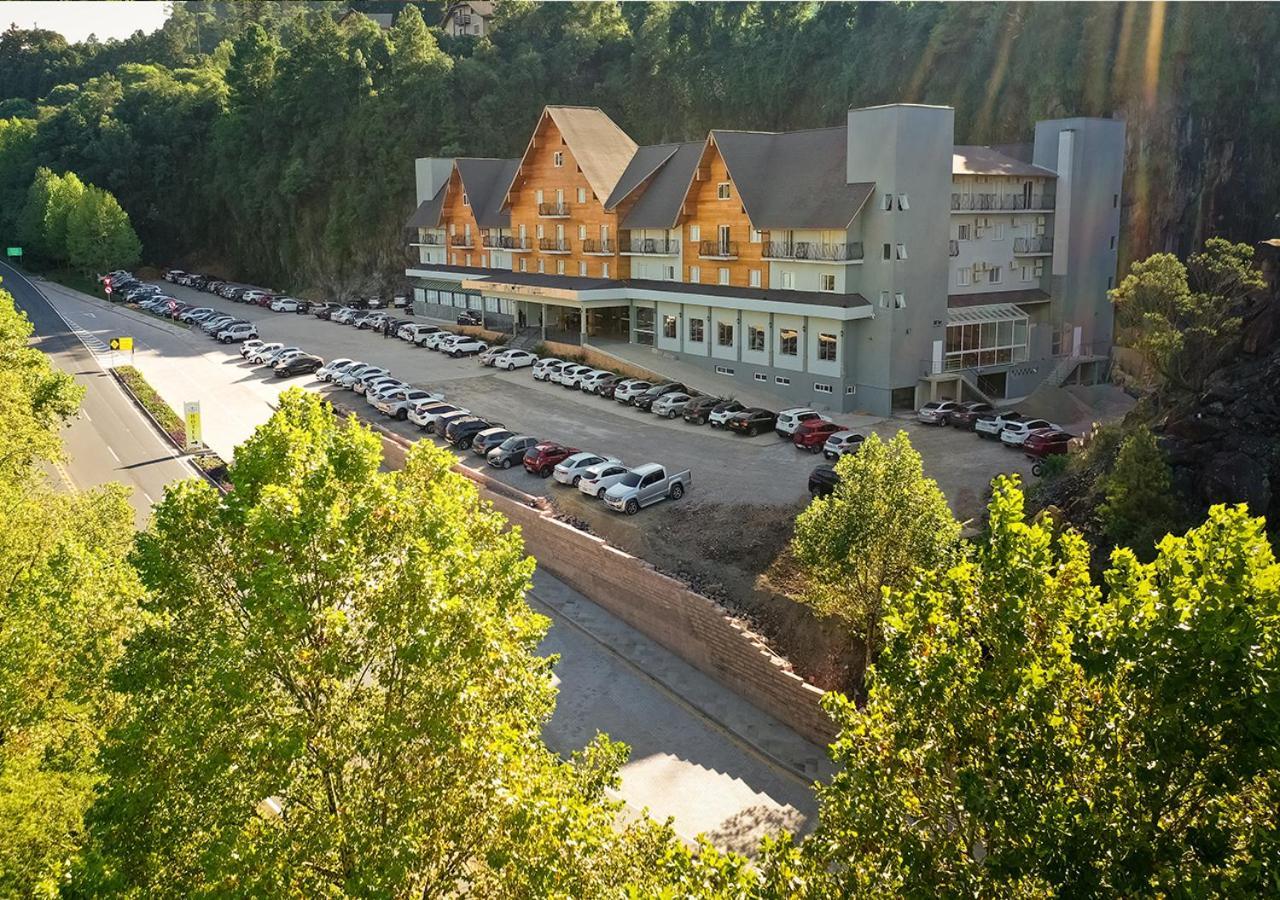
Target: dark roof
1031	295
486	182
973	160
658	205
577	283
794	179
427	215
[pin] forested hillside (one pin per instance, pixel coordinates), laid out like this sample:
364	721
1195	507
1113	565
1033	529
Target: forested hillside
276	143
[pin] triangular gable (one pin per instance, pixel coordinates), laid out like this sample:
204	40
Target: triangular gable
600	148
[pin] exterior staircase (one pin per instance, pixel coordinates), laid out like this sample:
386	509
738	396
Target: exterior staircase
526	338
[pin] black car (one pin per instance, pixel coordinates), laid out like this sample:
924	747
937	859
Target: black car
236	295
324	310
753	421
968	413
299	365
469	318
609	385
488	439
461	432
645	400
697	409
823	480
200	282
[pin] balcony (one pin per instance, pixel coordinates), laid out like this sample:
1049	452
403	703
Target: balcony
718	249
953	248
811	251
557	210
553	245
603	247
1002	203
428	240
1033	246
651	247
462	242
506	242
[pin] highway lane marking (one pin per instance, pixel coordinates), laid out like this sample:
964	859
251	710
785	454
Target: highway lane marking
85	413
112	451
148	496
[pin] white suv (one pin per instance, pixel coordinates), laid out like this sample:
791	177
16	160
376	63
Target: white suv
241	331
791	419
465	345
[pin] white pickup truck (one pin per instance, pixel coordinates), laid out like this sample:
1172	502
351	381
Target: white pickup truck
646	485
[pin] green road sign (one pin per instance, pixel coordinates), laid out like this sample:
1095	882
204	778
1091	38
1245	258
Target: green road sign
13	251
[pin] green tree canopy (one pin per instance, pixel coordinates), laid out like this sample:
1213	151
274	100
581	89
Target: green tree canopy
1140	507
100	236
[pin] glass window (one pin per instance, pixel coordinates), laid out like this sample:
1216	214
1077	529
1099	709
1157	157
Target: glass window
669	326
722	190
789	342
557	159
724	334
788	280
828	282
695	275
754	279
724	276
755	338
582	195
827	347
695	233
696	331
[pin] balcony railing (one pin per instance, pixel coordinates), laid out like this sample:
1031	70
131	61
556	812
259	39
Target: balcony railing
718	249
1000	202
812	250
1025	246
556	210
553	245
953	248
652	246
462	242
429	240
603	247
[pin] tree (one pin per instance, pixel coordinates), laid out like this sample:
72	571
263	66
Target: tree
99	234
1185	318
31	219
1140	507
337	693
1025	735
65	194
884	521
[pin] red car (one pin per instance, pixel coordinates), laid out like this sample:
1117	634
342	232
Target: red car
1047	442
541	459
266	299
812	434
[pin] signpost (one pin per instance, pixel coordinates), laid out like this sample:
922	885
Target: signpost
15	252
191	413
122	343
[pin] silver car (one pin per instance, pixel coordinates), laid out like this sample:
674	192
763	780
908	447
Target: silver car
670	405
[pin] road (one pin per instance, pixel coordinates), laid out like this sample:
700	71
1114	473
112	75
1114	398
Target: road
693	756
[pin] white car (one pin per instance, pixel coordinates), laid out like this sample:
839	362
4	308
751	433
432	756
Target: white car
990	425
937	412
397	404
571	470
258	353
252	296
465	345
599	478
380	389
372	379
490	356
590	383
343	316
410	331
842	443
721	414
514	359
277	356
241	331
1014	434
791	419
251	347
199	314
284	304
571	375
214	324
332	367
424	334
349	378
433	340
542	368
627	391
424	414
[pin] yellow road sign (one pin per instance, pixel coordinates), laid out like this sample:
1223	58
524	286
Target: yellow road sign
122	343
191	412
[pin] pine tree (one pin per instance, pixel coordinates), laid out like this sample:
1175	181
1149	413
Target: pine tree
99	234
1140	507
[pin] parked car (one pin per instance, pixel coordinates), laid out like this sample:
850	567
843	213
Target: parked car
812	435
333	366
212	325
342	316
383	387
398	403
540	366
490	356
200	312
823	480
410	331
486	440
248	348
424	334
252	296
607	387
461	432
255	356
991	424
571	375
442	421
627	391
1014	434
298	365
323	310
721	413
967	413
645	485
1047	442
791	419
671	405
591	382
351	376
372	321
599	478
541	459
514	359
842	443
241	331
510	451
285	304
424	415
646	399
466	346
372	382
169	274
937	412
470	317
752	421
433	340
697	409
570	470
272	359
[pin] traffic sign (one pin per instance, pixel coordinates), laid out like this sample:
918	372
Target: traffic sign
122	343
13	251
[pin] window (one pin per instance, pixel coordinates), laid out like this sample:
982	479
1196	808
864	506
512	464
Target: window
722	191
999	231
827	347
828	282
851	389
1025	272
724	276
1115	201
962	232
453	229
760	376
696	332
755	338
468	260
887	203
559	266
903	203
723	370
995	275
1039	268
668	326
899	301
902	251
753	278
541	266
964	277
523	267
1110	281
582	195
884	299
695	233
820	388
756	236
455	259
1113	242
788	280
978	344
582	268
789	342
695	275
582	232
539	230
778	379
557	159
465	201
604	270
888	251
669	273
724	334
537	196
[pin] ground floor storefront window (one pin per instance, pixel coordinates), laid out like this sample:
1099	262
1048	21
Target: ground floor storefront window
982	337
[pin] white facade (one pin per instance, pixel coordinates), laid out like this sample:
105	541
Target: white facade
1001	236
